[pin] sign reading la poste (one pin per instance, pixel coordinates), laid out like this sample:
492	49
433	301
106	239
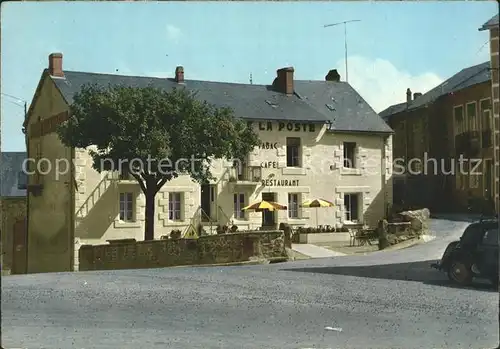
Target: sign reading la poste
284	126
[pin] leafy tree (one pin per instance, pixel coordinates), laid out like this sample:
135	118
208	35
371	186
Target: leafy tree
157	135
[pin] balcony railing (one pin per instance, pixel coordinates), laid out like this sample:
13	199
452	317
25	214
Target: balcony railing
251	174
467	143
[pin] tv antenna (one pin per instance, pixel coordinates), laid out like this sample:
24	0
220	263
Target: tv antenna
345	40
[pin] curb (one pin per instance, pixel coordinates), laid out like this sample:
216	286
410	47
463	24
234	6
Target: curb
415	241
256	262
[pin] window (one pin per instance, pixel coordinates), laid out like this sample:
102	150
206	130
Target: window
351	207
126	207
458	114
174	206
238	204
349	155
473	181
293	152
474	173
293	206
485	112
471	116
491	237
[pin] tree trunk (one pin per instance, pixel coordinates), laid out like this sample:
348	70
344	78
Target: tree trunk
149	232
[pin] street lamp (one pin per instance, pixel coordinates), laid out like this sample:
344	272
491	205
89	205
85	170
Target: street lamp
345	40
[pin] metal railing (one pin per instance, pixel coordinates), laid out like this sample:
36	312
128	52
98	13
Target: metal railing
222	217
245	174
95	195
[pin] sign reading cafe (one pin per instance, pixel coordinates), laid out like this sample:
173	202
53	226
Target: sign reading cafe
285	126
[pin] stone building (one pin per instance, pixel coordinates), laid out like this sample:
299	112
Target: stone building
493	27
13	211
320	139
432	132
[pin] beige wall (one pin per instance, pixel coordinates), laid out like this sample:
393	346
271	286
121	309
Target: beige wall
12	210
322	176
50	246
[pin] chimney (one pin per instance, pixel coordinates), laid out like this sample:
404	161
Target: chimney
179	75
408	95
416	95
333	75
55	65
284	81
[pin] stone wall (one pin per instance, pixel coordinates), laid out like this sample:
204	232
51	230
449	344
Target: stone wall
13	209
215	249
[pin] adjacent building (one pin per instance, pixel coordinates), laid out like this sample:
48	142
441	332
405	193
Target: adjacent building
13	211
433	132
319	139
493	27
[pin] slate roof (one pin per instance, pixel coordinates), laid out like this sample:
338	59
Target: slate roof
346	109
491	23
256	102
11	165
393	109
467	77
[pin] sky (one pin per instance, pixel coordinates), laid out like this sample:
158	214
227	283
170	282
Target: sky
393	46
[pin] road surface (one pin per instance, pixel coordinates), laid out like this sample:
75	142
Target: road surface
382	300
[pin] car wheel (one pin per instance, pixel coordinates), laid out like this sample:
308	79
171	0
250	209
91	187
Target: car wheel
460	273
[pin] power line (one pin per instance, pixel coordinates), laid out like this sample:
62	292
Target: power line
11	96
345	40
25	103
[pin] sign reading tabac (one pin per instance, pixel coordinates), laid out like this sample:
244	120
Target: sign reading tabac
286	126
280	182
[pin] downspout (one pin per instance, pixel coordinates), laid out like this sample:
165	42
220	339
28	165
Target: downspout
27	144
383	176
72	187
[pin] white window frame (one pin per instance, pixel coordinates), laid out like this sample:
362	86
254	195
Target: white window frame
238	213
174	213
354	155
474	179
459	126
298	156
347	213
481	114
474	125
294	205
127	207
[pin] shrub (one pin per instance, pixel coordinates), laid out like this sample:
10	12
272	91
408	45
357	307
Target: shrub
175	234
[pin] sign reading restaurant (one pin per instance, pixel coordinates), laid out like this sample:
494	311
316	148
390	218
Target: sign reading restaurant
280	182
285	126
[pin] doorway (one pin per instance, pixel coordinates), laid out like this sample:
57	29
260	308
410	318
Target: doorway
207	202
19	242
269	217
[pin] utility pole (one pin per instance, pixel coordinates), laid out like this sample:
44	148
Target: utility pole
251	80
345	41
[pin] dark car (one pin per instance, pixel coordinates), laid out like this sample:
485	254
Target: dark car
475	255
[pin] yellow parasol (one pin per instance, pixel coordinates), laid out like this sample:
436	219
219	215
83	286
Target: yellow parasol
316	203
265	205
